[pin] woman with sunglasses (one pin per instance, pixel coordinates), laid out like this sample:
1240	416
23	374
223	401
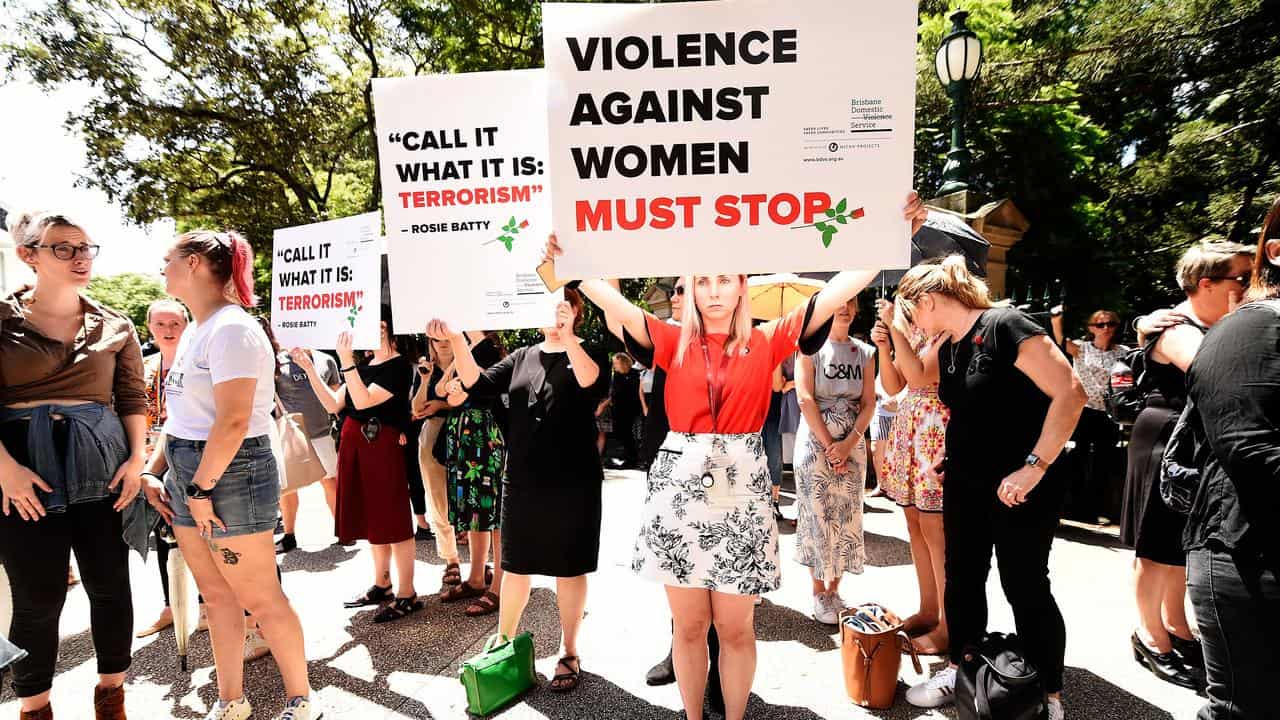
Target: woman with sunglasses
707	532
1096	434
221	492
1214	276
72	445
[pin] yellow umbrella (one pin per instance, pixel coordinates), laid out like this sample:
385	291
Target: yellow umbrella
773	296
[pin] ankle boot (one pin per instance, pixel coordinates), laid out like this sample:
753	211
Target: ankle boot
44	713
108	703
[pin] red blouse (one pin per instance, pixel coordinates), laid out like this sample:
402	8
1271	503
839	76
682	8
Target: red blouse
748	378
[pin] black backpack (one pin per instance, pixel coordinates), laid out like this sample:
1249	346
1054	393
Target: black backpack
1183	459
995	681
1124	401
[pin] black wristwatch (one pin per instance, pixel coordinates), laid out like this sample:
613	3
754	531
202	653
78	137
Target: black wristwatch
195	492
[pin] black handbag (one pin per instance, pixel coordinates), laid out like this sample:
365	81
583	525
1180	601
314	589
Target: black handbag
995	681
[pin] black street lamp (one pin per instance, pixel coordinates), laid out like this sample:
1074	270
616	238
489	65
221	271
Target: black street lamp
957	63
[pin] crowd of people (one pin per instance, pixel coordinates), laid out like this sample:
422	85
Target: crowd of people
960	404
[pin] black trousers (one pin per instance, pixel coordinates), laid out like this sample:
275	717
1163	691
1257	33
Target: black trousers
36	556
413	473
1237	602
624	429
1093	462
975	523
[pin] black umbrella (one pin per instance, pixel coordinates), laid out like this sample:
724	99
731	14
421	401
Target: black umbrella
943	234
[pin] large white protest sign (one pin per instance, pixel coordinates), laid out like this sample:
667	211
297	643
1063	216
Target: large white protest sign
325	280
731	136
464	186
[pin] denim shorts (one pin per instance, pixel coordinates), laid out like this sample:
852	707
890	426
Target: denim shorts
247	496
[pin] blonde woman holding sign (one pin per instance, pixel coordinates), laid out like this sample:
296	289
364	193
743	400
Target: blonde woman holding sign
708	533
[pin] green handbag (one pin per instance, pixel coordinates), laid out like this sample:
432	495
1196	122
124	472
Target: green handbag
499	674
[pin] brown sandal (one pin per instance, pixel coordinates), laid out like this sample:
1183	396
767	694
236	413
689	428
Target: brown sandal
566	681
452	574
486	605
461	591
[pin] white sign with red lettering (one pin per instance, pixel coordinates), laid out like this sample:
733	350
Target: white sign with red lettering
463	183
730	137
325	280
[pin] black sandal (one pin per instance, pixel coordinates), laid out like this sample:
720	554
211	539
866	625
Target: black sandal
567	681
398	609
461	591
452	574
375	595
486	605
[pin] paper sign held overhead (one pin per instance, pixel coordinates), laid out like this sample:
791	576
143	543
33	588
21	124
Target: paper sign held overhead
325	280
732	136
464	185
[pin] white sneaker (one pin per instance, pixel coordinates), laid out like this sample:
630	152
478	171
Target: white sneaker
234	710
300	708
823	610
939	690
1055	709
255	646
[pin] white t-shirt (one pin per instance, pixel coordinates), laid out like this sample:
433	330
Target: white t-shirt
228	346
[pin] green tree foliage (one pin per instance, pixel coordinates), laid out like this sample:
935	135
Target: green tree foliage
128	293
1125	130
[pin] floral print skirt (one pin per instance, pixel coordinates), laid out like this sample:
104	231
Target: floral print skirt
707	520
477	460
829	536
917	442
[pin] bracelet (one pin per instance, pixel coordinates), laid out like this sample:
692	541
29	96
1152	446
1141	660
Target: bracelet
348	369
147	473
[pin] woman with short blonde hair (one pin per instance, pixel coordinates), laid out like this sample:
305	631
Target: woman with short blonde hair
1014	402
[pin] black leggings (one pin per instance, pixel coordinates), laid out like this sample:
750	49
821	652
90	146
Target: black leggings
36	556
975	522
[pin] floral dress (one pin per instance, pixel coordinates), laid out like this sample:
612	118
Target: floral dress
917	443
477	461
829	537
476	457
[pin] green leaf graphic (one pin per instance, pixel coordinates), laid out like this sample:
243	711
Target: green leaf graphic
826	237
840	206
822	227
507	241
842	219
830	213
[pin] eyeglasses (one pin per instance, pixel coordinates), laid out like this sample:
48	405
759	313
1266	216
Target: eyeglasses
1242	279
1104	325
67	251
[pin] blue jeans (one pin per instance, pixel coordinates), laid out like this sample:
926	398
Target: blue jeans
1237	602
247	496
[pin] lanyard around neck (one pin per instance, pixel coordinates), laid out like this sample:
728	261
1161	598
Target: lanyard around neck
715	383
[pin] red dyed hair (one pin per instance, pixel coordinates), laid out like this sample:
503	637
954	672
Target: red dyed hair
230	260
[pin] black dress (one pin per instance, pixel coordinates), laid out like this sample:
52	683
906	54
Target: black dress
1146	524
551	494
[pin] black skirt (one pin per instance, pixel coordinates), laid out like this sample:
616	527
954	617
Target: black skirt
551	531
1148	525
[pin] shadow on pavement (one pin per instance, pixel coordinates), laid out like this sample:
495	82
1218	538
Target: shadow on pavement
319	561
886	550
1087	695
779	623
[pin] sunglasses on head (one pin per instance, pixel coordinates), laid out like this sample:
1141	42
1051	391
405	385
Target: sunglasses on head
1106	324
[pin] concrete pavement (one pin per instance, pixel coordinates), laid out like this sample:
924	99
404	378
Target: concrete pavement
408	669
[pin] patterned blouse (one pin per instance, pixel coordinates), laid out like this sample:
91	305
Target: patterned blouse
1093	365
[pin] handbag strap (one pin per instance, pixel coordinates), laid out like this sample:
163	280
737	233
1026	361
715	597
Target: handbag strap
980	702
495	641
905	640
